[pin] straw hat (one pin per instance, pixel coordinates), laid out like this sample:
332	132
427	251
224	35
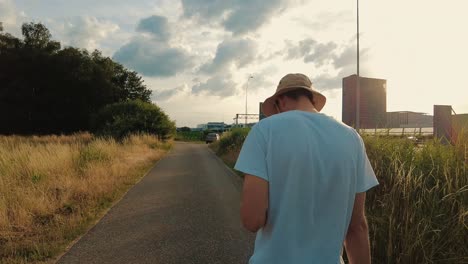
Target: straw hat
291	82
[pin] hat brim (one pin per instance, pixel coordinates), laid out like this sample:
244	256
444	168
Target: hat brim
269	109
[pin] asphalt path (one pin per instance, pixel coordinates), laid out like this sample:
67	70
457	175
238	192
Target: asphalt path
185	210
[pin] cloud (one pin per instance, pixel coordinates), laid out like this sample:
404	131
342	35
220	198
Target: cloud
252	14
7	13
311	51
164	95
152	58
299	51
86	32
344	64
155	25
219	85
206	9
326	20
238	52
321	54
340	60
349	56
327	82
259	82
238	17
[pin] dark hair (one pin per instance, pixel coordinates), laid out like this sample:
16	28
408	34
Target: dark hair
295	94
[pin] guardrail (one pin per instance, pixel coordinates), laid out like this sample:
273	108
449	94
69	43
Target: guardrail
421	131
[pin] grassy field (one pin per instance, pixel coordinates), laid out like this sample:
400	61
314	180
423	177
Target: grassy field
53	188
419	212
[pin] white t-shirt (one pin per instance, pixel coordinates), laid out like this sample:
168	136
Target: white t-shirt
315	165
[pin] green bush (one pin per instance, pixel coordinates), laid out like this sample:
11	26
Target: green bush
232	140
134	116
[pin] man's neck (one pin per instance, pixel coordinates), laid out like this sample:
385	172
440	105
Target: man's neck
306	106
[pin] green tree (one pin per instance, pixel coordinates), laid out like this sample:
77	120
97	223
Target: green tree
135	116
37	36
185	129
46	89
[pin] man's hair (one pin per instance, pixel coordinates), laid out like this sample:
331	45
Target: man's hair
295	94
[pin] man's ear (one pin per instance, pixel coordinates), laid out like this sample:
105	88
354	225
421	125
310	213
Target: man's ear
281	101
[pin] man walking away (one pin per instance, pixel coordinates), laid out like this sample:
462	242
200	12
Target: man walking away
305	183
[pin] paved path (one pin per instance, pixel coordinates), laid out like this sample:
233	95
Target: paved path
185	210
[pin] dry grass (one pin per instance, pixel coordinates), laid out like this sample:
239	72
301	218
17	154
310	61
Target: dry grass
52	188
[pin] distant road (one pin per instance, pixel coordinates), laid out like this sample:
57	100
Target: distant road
186	210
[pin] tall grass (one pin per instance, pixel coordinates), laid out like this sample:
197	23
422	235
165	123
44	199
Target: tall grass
419	212
52	188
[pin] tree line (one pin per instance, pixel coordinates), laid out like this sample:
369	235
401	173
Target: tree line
46	89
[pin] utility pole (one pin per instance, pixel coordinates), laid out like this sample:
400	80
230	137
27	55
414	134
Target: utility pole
358	86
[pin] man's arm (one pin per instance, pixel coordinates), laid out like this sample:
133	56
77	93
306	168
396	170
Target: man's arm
254	203
357	243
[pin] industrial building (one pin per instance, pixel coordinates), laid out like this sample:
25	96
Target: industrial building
213	126
372	102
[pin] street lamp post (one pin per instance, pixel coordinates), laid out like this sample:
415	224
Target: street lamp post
246	88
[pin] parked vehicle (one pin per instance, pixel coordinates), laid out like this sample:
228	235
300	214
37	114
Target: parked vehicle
211	137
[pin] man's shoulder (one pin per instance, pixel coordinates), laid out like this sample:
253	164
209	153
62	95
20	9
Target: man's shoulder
286	119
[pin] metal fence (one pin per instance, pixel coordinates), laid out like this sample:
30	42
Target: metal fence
405	131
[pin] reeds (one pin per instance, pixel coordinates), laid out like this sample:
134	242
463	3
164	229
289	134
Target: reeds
419	212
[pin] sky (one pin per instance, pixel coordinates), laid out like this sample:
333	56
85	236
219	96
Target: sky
197	55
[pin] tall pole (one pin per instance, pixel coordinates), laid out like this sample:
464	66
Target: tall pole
358	87
246	88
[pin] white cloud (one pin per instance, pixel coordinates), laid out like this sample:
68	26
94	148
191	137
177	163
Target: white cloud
87	32
325	20
261	79
237	52
331	61
7	13
323	52
165	95
218	85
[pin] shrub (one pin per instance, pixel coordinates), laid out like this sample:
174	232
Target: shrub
232	140
122	119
